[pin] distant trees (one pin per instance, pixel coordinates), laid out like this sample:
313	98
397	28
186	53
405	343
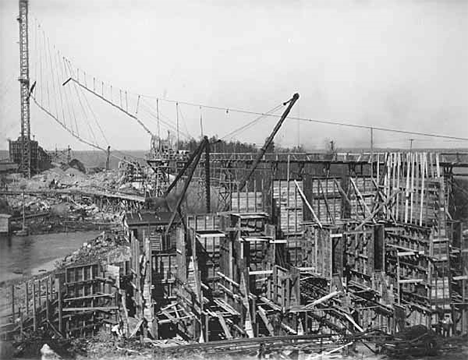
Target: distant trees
221	146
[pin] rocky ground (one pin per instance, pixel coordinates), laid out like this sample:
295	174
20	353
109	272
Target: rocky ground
55	211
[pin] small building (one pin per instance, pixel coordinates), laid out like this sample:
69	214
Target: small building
5	223
40	159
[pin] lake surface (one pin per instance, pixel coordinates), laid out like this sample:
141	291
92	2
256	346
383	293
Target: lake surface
26	255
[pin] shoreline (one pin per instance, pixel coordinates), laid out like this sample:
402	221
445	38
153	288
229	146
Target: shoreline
49	266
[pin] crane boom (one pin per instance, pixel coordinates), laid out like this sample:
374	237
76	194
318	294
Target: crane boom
269	140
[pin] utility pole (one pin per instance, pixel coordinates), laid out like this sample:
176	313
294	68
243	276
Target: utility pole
207	175
25	165
411	144
68	154
201	123
107	159
177	120
372	150
159	126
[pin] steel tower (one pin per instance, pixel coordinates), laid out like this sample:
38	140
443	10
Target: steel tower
25	165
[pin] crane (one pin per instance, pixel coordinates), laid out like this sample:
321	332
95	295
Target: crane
269	140
25	165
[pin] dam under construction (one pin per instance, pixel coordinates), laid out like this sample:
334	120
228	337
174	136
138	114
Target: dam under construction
314	249
209	247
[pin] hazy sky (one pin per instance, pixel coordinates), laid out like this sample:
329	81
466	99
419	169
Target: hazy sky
399	64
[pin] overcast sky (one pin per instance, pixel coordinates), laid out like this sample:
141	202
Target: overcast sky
398	64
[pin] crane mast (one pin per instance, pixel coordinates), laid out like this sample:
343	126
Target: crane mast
25	165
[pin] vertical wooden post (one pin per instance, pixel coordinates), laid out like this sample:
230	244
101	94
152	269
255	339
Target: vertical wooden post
26	296
21	323
39	300
34	305
398	280
207	331
58	283
13	301
47	299
255	196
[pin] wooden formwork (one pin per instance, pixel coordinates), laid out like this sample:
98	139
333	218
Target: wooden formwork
459	263
361	195
72	303
29	306
251	199
326	199
208	252
204	231
363	253
300	252
290	203
204	222
89	299
415	181
327	251
153	267
284	287
213	281
418	266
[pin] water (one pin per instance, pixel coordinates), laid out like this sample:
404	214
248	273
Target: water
28	255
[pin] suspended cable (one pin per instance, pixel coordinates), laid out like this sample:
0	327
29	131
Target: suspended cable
53	76
57	66
51	70
83	109
184	122
378	128
327	122
93	114
62	125
297	118
250	124
66	95
45	60
158	115
111	103
79	138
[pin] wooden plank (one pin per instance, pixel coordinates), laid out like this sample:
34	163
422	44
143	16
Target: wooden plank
330	216
228	279
58	282
87	309
360	196
226	330
137	327
26	297
34	305
13	301
92	296
307	204
47	300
